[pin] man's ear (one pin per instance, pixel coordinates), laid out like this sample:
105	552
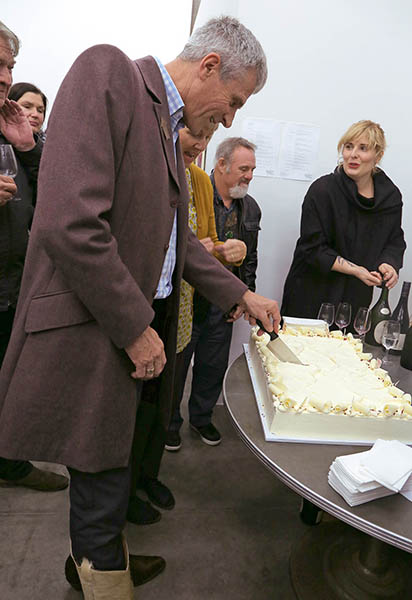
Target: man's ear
209	65
221	165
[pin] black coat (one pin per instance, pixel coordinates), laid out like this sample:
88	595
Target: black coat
15	220
336	222
249	227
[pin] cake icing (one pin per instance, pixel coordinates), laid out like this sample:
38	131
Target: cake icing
339	393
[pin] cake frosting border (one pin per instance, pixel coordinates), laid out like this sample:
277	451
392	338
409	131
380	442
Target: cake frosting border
266	409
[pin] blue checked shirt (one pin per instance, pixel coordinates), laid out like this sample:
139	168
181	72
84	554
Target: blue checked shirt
164	287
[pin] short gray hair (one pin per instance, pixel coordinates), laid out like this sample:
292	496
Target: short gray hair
11	38
236	45
226	148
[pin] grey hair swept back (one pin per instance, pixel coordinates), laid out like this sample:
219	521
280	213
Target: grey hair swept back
10	37
236	45
229	145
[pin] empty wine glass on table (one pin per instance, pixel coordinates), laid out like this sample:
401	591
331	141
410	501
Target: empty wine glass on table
327	313
343	315
8	163
390	335
362	322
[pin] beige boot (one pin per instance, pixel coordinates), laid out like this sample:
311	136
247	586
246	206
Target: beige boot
105	585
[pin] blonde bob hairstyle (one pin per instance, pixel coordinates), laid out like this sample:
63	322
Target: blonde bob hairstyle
373	133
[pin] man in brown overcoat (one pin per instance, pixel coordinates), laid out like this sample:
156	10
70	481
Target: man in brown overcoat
99	298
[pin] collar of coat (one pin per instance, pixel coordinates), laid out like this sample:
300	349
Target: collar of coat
386	195
153	81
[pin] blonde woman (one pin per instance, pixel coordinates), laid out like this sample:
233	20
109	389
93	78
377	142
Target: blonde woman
351	236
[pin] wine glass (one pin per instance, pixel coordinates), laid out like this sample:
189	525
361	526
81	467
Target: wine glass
8	163
327	313
362	322
343	315
390	335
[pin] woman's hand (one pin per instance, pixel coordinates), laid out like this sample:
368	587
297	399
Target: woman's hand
389	274
232	251
368	277
208	244
7	189
342	265
15	126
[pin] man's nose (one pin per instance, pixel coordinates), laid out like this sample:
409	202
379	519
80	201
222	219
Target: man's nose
200	146
228	117
5	75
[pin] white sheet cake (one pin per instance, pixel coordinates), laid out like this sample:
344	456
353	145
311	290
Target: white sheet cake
339	394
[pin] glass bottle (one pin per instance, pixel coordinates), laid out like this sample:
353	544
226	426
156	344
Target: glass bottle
380	313
401	314
406	354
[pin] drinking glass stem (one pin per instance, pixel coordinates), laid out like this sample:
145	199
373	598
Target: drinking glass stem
16	196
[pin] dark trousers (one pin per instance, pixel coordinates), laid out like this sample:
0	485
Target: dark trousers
210	344
99	501
149	437
150	432
98	507
10	469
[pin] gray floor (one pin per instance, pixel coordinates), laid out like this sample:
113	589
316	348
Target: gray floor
228	537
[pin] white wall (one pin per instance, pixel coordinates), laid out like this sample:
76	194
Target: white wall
331	63
54	32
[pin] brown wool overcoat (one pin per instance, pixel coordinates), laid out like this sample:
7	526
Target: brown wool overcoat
108	191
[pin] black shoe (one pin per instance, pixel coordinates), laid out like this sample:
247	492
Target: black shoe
140	512
208	434
173	441
42	481
157	492
142	570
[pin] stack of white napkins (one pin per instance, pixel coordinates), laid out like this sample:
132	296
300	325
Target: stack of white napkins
383	470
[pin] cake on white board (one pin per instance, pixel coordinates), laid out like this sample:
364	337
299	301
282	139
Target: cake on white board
339	395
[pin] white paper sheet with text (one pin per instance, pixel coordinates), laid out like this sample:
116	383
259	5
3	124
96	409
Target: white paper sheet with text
266	134
284	149
298	151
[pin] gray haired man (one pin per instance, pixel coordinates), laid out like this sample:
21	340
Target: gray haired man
237	215
95	335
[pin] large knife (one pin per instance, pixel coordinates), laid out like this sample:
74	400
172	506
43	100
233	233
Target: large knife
279	348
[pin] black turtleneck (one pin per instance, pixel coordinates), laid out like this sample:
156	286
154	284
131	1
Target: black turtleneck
338	221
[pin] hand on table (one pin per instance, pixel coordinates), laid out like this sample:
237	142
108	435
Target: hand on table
232	251
147	354
15	126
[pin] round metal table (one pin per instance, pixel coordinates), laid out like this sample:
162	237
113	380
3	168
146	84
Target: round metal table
333	560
